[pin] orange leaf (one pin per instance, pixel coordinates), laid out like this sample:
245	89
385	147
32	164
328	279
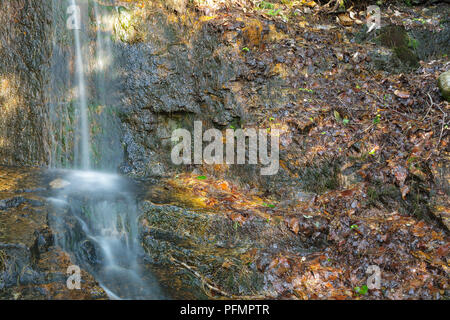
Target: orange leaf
224	186
238	218
444	250
347	193
293	225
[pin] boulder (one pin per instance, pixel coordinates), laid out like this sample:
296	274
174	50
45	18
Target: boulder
444	85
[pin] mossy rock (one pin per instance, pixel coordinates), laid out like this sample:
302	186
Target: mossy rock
407	56
127	28
444	85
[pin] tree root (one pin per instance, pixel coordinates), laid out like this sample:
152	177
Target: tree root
209	288
337	4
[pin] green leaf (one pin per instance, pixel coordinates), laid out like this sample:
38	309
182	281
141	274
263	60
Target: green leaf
377	119
265	5
354	226
273	12
268	205
201	177
306	90
362	290
337	116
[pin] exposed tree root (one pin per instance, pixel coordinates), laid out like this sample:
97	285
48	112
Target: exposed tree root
333	6
208	287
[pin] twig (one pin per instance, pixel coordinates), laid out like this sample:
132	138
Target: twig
431	105
442	129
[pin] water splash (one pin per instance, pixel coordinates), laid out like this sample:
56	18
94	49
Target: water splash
101	229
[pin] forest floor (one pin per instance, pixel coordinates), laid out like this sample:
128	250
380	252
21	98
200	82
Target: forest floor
369	99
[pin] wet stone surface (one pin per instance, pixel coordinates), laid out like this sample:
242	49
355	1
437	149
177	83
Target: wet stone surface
31	266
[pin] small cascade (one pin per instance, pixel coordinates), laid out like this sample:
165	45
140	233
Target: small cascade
104	241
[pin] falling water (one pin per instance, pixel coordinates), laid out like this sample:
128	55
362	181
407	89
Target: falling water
82	97
105	237
103	54
107	142
97	215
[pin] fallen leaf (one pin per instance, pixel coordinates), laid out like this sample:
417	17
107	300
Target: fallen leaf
405	190
224	186
345	20
443	250
237	218
400	174
402	94
293	225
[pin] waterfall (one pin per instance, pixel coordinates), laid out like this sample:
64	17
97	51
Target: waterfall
97	218
82	97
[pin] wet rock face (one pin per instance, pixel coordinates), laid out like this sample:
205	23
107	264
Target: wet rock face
183	70
179	242
38	110
173	77
25	27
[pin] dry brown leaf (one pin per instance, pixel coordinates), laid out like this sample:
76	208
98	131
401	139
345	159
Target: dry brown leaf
402	94
345	20
293	225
